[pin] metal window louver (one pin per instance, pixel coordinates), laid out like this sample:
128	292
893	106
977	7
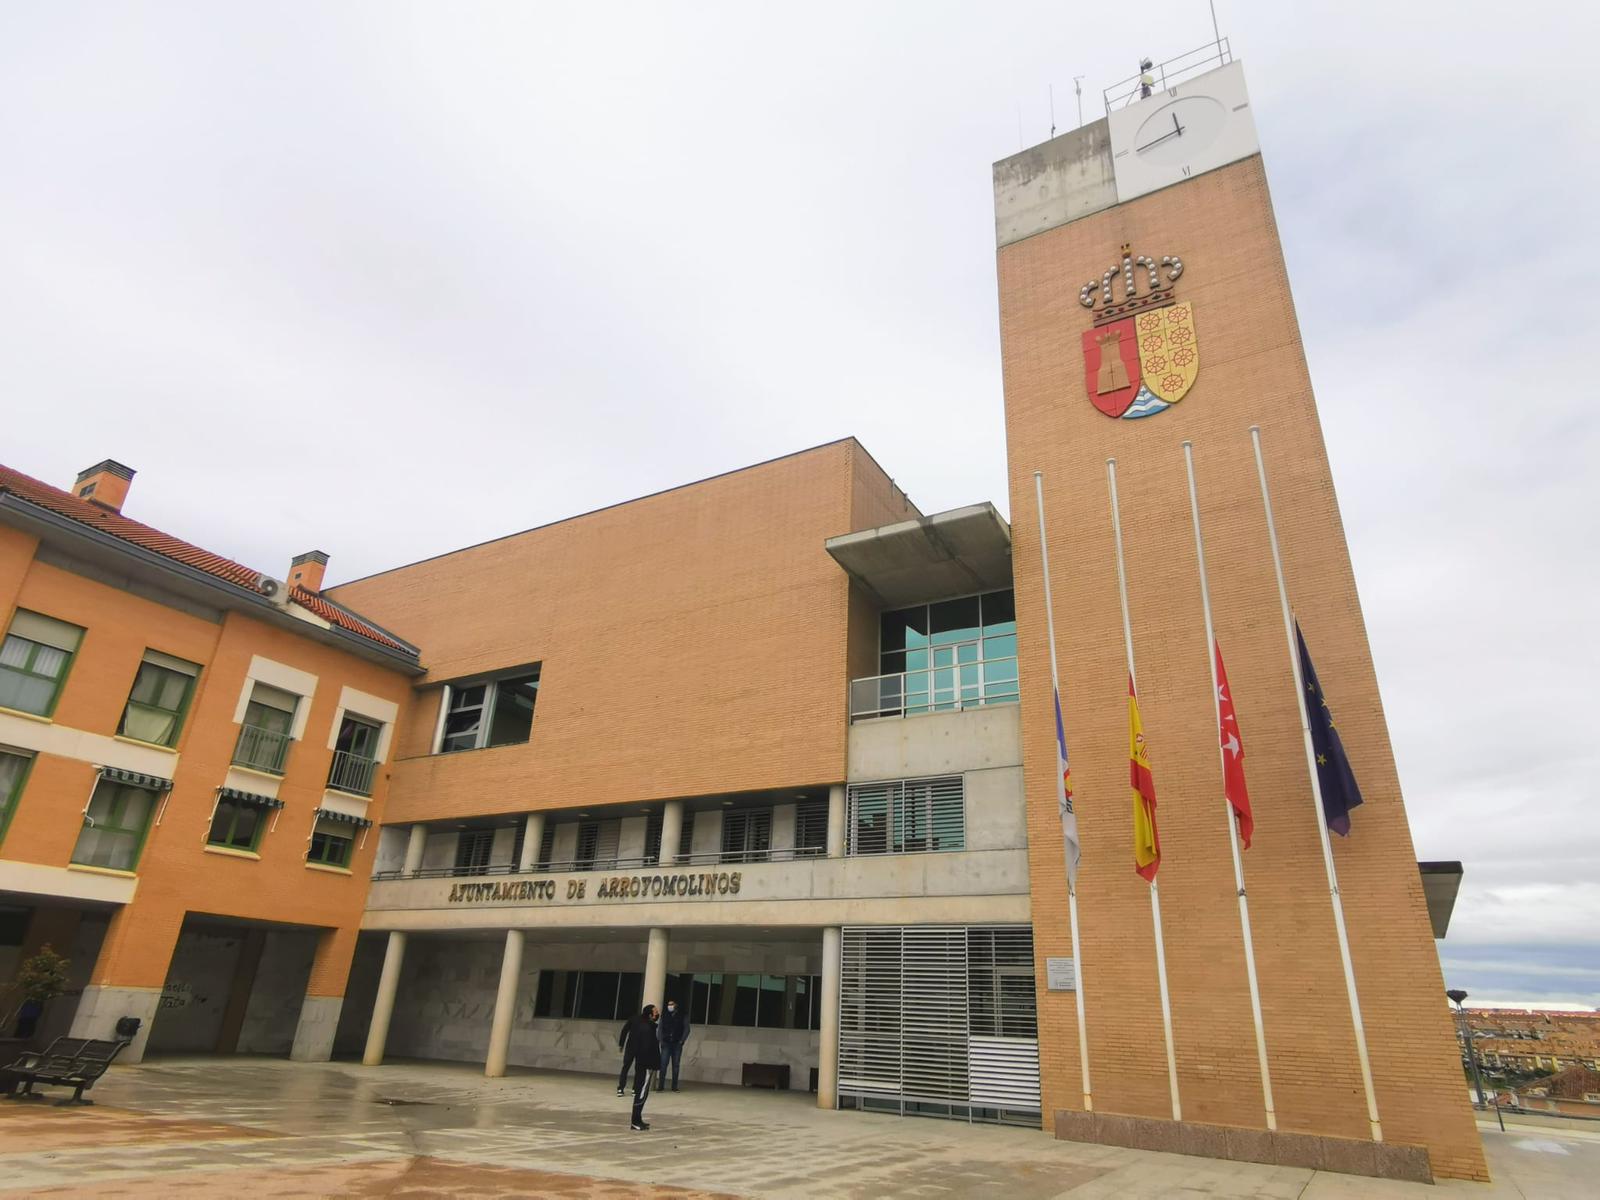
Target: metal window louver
907	816
547	842
746	833
939	1020
652	838
811	825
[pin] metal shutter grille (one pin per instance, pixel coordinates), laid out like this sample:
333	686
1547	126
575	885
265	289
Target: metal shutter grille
940	1020
934	979
746	834
811	825
547	842
907	816
870	993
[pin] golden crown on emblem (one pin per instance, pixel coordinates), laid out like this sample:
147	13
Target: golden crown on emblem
1171	262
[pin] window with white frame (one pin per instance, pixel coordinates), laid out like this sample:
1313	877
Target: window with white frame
34	659
489	712
907	816
267	729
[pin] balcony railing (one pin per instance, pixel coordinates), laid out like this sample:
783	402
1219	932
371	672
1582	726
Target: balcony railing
935	689
261	749
352	772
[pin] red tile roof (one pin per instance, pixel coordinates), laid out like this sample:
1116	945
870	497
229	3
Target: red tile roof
65	504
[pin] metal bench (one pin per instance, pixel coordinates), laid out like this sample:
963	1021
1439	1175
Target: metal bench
67	1062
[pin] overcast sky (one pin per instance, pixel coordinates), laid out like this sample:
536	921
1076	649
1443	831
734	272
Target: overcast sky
389	279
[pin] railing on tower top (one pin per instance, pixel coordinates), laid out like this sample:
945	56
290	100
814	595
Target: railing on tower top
1194	62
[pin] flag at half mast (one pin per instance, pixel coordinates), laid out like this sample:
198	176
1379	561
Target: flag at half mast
1069	819
1335	779
1146	841
1232	755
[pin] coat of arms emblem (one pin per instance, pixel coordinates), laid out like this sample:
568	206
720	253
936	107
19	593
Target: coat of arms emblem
1142	355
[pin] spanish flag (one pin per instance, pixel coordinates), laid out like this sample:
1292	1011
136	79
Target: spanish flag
1146	841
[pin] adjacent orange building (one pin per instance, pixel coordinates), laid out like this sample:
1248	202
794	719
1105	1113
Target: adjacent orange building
192	756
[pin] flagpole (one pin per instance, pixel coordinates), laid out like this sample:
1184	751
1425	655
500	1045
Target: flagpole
1072	890
1155	893
1233	829
1316	799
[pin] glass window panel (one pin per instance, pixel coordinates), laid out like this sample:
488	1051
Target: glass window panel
630	994
955	620
892	663
745	997
1004	646
719	1004
700	1005
268	717
967	652
513	710
541	1001
1005	668
13	767
816	1002
917	660
597	996
770	1002
903	629
114	826
15	651
1000	612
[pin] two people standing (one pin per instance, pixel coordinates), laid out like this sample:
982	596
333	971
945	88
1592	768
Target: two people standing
647	1049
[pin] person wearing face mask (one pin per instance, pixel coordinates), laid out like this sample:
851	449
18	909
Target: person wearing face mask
674	1031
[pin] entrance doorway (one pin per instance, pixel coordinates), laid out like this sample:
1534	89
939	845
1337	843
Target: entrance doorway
233	988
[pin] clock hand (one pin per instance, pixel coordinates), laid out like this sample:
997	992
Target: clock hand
1158	141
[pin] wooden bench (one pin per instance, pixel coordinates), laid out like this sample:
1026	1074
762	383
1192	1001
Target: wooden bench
772	1075
67	1062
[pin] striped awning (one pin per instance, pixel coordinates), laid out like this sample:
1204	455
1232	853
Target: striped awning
328	814
136	779
250	798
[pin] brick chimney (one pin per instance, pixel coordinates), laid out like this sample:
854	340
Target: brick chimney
307	570
105	483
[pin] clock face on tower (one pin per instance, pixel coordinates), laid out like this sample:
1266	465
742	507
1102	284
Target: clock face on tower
1194	127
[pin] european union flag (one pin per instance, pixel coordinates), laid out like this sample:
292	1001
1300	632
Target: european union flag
1339	791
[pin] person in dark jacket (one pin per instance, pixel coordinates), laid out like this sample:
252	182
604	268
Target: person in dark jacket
640	1051
674	1029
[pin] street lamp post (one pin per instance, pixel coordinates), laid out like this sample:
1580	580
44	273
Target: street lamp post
1457	995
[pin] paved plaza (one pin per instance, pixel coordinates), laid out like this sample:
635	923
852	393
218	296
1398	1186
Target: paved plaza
266	1128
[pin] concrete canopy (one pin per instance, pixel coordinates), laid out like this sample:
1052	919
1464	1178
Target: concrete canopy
1440	883
954	553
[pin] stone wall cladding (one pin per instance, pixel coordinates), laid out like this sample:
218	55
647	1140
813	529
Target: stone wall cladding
1252	371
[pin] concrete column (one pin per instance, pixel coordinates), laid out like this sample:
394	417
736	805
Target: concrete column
655	968
671	832
414	848
828	1050
532	835
383	1003
324	1000
836	817
505	1005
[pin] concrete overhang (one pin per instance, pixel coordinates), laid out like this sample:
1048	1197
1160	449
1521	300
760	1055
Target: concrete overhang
953	553
1440	883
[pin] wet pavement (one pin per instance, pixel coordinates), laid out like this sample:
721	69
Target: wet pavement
265	1128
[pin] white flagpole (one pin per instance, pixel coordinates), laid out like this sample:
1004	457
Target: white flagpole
1316	800
1072	888
1155	893
1233	829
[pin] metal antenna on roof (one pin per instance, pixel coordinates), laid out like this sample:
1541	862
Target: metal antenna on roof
1052	110
1077	86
